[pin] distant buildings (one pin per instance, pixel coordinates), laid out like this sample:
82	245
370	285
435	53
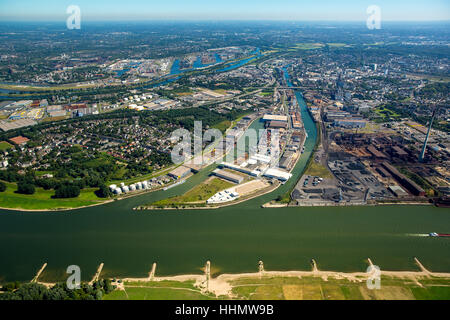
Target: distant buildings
350	123
274	117
12	125
274	124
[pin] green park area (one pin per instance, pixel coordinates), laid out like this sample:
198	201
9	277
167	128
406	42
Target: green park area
5	146
385	114
308	46
43	199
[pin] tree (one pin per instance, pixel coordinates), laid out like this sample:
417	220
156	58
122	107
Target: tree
67	191
25	187
103	192
2	186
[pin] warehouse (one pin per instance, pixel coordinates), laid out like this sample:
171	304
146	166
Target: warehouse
276	124
398	191
405	182
274	117
350	123
228	176
180	172
278	174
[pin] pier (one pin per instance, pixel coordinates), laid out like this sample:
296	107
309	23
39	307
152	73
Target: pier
151	275
314	266
422	268
36	277
97	274
208	274
261	268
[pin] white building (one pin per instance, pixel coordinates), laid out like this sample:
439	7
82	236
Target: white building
278	174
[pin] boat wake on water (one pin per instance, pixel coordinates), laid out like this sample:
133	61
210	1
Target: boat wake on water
432	234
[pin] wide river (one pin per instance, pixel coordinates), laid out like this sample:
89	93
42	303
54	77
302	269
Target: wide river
234	238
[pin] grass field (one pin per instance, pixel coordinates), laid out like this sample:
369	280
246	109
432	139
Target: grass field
222	126
49	88
42	199
291	288
199	194
5	146
143	293
309	288
161	290
386	114
336	44
316	169
308	46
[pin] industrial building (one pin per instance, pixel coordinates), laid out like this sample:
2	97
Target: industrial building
405	182
276	124
274	117
228	176
180	172
287	160
249	171
277	174
296	120
12	125
223	196
350	123
398	191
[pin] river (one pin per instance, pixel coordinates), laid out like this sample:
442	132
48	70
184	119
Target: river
234	238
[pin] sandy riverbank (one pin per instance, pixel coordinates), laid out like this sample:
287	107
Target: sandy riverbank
222	284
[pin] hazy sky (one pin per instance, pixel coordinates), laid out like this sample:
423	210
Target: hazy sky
336	10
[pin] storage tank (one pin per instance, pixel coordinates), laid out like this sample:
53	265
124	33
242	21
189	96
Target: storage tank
132	187
125	189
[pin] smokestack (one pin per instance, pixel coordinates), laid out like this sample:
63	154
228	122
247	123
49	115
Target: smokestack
422	154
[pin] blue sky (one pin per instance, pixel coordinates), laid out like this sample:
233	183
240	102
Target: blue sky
302	10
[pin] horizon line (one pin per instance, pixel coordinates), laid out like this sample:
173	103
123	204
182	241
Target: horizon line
213	20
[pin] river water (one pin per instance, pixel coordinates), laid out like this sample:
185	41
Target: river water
234	238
